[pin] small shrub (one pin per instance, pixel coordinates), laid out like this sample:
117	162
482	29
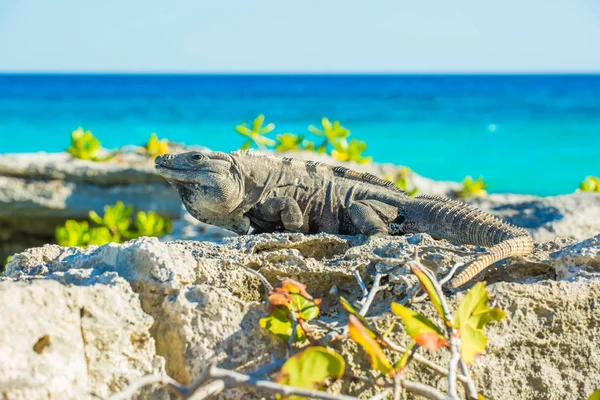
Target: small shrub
590	184
332	133
114	226
472	188
352	151
256	134
156	147
289	142
85	146
79	233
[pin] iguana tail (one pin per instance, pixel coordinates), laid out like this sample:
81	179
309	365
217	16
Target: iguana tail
458	222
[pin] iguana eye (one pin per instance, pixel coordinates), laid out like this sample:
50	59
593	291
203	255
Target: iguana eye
197	157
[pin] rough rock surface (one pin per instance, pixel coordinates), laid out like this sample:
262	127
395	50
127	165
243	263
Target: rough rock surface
575	215
206	307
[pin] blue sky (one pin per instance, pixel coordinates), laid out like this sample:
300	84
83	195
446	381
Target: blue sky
302	36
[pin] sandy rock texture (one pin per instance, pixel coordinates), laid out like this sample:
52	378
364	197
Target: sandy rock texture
117	312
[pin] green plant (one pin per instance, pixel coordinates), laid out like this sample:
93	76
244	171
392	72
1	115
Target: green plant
472	188
115	219
289	142
290	307
256	134
461	334
332	133
79	233
344	151
590	184
114	226
401	181
156	147
151	224
85	146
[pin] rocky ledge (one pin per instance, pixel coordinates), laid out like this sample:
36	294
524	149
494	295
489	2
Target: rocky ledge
84	323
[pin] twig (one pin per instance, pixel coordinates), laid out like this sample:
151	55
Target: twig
453	364
361	283
267	369
451	273
423	390
397	386
422	360
260	276
469	384
237	379
374	289
130	391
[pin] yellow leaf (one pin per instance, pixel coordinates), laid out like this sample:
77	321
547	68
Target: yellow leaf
428	286
361	335
472	315
424	332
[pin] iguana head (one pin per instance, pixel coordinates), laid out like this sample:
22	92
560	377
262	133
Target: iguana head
206	181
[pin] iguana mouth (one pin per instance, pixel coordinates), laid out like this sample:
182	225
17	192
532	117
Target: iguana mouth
159	166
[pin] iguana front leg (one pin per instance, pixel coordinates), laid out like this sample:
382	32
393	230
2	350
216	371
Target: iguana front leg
366	216
285	210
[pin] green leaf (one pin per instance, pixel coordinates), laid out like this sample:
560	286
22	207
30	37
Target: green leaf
288	141
280	324
267	128
100	236
83	145
311	368
424	332
472	315
595	395
316	131
303	304
364	338
428	286
72	233
290	297
352	311
243	129
246	145
590	184
257	124
401	364
151	224
472	188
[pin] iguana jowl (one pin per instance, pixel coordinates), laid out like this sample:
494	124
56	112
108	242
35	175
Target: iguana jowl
244	189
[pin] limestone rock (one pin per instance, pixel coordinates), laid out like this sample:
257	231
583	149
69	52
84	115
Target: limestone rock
206	306
574	215
68	342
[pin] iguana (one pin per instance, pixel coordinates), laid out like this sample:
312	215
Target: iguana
243	190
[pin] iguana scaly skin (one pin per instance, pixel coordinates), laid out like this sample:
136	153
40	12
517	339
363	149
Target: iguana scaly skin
244	190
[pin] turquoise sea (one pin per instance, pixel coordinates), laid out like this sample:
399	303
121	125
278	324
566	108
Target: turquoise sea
536	134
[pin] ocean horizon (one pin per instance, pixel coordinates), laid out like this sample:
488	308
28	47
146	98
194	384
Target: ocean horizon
531	134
